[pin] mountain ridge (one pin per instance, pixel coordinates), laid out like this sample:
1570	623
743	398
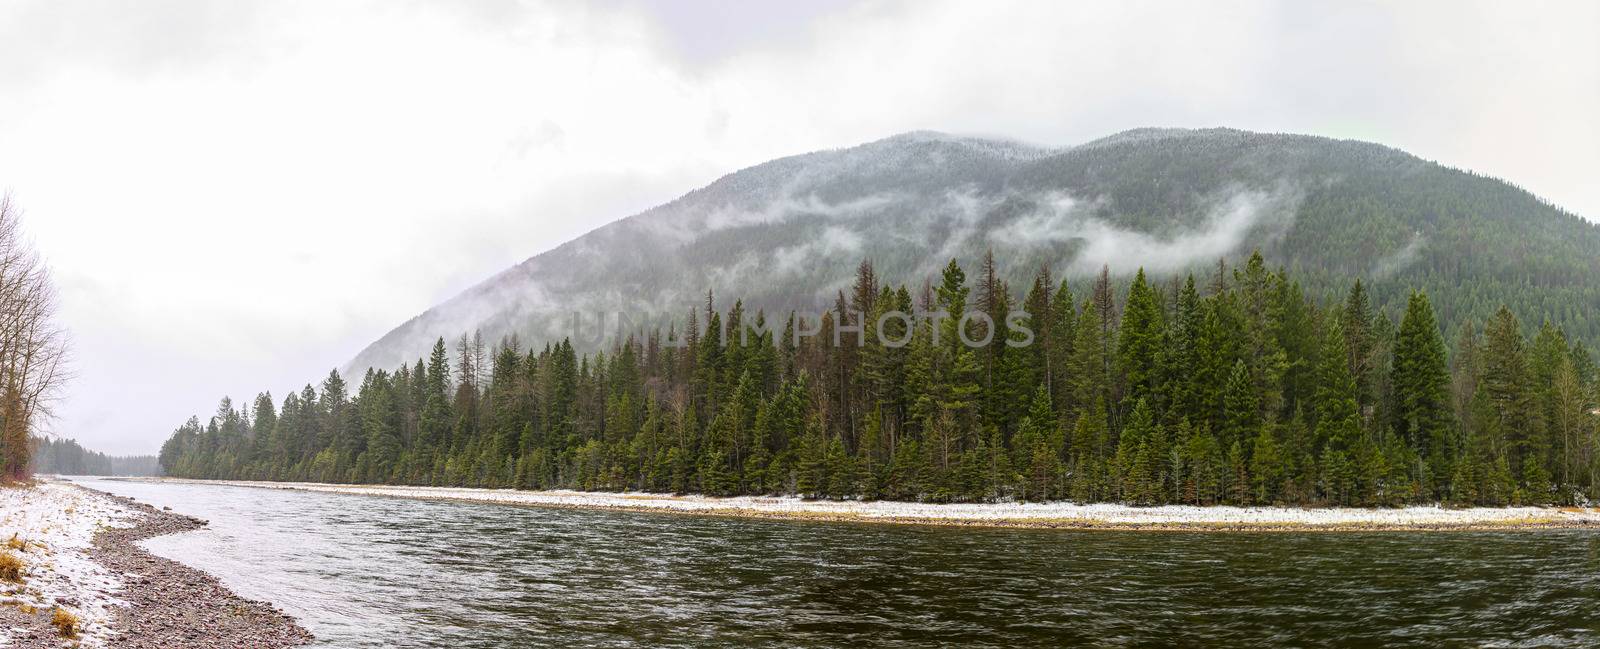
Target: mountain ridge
785	233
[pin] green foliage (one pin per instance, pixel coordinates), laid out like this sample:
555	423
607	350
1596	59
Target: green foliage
1421	382
1245	392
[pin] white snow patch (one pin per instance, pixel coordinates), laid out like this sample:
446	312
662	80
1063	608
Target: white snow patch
59	521
1098	514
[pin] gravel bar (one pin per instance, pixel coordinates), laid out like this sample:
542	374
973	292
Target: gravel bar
172	605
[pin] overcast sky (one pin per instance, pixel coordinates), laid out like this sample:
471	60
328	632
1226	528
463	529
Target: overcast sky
238	196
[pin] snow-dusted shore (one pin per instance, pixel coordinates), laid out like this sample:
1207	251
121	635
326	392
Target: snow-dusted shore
1056	514
56	523
81	552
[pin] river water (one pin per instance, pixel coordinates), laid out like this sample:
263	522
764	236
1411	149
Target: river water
363	571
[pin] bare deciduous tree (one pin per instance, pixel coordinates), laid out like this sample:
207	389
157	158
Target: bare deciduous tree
32	346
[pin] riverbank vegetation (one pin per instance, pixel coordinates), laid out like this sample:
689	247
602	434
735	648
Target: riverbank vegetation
1230	387
11	566
32	345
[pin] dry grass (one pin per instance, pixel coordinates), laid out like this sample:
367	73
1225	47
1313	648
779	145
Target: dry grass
65	623
10	567
16	543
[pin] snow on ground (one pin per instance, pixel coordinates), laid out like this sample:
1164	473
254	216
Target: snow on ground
58	522
998	514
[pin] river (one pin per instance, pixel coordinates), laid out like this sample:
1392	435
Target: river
363	571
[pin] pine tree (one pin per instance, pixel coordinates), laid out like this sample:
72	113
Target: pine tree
1087	366
1422	387
1184	354
378	424
1063	340
1338	432
1568	425
1141	340
1090	440
1241	419
436	415
1266	466
1037	454
1251	394
957	371
1505	382
1356	322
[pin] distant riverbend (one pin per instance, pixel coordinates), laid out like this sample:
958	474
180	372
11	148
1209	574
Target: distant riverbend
1064	515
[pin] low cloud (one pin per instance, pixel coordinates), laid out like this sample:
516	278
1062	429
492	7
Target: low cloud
834	242
788	206
1231	219
1058	218
1401	259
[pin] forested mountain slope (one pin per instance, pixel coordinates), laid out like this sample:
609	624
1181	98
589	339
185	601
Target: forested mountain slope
1237	390
788	233
1362	358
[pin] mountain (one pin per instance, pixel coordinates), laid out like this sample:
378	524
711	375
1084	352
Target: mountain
790	232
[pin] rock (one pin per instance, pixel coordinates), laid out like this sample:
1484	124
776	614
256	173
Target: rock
175	606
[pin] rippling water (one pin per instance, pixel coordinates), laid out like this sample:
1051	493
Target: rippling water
362	571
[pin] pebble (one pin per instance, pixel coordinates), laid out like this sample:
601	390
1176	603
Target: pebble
171	606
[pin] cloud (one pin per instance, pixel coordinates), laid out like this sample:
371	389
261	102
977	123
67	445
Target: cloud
789	206
1062	218
830	246
147	40
964	209
244	194
1057	218
1401	258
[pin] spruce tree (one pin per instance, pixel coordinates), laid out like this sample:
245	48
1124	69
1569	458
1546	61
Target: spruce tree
1422	386
1506	381
436	415
1356	322
1251	394
1241	418
1141	340
1063	340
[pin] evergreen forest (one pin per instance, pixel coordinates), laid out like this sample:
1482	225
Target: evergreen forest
1229	386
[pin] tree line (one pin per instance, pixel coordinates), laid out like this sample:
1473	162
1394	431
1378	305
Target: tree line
1230	387
67	457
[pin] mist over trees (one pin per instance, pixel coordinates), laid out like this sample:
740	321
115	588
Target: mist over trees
778	234
67	457
32	345
1231	386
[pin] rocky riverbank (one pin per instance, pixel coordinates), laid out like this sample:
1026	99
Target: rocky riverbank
81	556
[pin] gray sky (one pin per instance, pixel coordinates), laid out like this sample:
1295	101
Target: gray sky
238	196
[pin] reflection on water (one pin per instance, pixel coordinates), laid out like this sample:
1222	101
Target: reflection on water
361	571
